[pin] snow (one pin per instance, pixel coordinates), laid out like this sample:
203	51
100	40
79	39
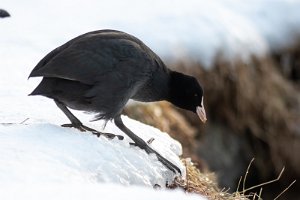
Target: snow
191	30
92	192
43	153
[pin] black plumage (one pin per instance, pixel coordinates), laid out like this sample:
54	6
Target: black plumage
101	70
4	13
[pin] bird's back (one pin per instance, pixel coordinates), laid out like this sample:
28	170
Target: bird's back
98	53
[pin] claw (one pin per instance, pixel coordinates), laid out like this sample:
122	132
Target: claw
84	128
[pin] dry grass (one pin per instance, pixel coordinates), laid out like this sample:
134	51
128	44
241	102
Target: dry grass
205	184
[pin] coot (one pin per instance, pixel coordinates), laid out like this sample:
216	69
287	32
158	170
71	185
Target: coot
101	70
4	13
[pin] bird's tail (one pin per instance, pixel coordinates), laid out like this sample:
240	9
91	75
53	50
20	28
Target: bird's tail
43	88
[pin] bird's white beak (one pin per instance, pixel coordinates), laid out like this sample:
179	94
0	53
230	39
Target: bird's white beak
201	112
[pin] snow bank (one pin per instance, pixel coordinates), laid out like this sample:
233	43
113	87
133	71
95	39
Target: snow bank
192	30
48	153
91	192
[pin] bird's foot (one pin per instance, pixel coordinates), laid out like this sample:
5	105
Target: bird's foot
143	145
164	161
84	128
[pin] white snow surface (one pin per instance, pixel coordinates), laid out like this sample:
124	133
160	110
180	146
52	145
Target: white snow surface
194	30
91	192
42	153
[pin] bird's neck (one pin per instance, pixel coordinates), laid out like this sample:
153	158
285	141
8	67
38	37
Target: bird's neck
155	89
176	89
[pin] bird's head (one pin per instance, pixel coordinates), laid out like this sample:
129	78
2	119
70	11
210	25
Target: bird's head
187	93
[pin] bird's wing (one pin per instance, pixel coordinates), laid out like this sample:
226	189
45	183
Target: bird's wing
110	94
88	59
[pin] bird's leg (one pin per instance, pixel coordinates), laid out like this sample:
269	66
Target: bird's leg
75	123
143	145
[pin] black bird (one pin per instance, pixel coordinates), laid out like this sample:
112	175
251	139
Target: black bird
101	70
4	13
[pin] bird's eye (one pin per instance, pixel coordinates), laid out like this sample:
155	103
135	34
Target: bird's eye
196	95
